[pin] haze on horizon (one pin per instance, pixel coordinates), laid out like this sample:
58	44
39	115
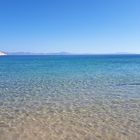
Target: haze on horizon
75	26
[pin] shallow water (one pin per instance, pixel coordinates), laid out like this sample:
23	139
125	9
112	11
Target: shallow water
70	97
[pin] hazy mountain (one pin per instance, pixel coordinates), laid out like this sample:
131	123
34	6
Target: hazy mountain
30	53
62	53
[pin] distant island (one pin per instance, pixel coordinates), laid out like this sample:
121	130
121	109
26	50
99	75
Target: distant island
31	53
62	53
2	53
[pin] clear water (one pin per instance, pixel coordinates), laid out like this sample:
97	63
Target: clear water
70	97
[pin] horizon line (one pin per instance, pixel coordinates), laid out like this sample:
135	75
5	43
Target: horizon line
67	53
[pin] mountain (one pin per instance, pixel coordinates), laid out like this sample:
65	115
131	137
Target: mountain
63	53
24	53
2	53
30	53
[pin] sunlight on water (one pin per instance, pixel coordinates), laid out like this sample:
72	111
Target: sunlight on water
70	97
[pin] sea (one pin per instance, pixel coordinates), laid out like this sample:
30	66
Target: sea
70	97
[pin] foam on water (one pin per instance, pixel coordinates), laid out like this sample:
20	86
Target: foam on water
70	97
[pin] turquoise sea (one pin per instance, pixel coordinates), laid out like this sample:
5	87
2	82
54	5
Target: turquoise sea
74	97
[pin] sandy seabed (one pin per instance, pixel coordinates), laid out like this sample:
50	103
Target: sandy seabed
79	124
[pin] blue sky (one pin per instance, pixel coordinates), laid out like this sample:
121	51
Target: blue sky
77	26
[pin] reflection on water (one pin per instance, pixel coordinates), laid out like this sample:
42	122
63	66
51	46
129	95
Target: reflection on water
70	98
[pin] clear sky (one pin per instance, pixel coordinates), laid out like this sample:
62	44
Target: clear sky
78	26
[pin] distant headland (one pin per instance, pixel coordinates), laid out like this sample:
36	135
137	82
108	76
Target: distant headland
2	53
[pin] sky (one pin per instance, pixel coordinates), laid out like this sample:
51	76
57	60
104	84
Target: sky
76	26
